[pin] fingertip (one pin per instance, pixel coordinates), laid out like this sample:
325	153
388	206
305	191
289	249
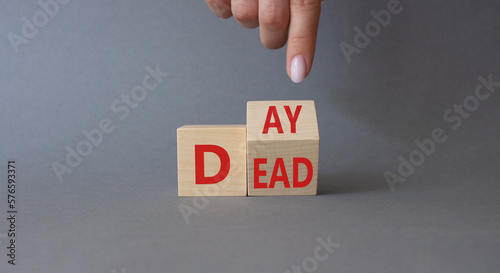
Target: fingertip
298	69
221	8
272	44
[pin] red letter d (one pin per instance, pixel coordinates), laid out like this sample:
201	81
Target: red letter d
199	154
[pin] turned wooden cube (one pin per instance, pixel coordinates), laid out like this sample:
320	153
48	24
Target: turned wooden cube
211	160
282	148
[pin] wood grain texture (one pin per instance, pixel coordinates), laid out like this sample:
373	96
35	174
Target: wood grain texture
230	137
276	147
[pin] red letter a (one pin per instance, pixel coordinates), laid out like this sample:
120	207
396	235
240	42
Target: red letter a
270	113
280	164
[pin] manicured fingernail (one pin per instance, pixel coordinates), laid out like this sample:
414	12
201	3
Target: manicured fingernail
298	68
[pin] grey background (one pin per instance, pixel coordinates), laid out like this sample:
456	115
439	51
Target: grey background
118	211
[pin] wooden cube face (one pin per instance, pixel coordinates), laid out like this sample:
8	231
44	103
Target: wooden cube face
211	160
282	148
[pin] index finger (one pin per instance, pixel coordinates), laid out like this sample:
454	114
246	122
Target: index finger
304	21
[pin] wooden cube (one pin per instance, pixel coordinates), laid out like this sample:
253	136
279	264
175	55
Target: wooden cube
211	160
282	148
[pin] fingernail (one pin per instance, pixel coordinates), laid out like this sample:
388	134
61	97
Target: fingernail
298	68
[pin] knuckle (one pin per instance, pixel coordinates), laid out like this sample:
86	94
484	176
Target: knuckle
244	13
274	17
300	37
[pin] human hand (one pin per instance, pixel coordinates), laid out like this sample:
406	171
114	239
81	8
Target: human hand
279	20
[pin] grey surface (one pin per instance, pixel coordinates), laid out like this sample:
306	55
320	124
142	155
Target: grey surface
118	211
